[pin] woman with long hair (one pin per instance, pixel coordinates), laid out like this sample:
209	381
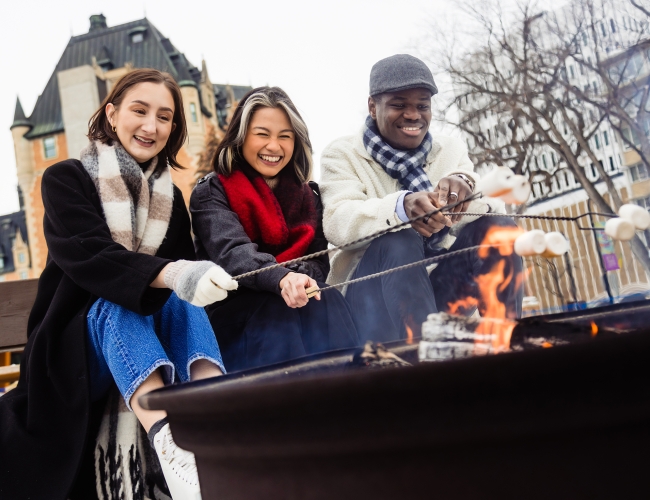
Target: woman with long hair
258	209
120	300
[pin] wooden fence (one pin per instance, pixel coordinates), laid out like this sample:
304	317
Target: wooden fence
16	301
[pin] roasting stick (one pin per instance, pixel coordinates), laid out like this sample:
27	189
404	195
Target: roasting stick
311	291
360	240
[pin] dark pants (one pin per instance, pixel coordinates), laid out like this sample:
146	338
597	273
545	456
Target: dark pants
258	328
383	307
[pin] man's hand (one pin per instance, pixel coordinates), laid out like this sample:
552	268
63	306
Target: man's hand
450	190
293	289
416	204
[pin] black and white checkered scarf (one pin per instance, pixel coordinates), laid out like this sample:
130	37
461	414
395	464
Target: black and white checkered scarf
405	166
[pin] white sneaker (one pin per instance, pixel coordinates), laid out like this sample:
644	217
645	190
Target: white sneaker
178	467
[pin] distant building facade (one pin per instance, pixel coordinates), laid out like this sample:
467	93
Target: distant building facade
89	67
549	282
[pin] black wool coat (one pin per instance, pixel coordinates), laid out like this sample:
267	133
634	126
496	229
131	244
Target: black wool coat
45	422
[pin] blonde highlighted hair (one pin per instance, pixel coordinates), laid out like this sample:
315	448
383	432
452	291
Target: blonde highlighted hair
228	152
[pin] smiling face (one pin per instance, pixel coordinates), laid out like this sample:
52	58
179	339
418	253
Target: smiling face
143	121
402	117
269	141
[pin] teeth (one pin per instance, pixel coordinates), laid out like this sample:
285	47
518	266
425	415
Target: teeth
272	159
410	128
143	139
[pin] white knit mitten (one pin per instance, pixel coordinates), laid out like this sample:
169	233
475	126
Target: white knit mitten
200	283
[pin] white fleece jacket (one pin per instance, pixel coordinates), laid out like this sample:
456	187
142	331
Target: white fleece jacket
359	196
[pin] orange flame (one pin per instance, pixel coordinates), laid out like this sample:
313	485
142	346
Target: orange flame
594	329
489	285
409	335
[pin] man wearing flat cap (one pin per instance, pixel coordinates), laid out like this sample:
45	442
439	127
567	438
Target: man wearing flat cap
389	173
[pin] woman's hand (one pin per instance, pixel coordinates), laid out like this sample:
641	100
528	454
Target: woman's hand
293	289
199	282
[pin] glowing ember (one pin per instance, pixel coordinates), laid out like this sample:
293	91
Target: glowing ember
594	329
547	345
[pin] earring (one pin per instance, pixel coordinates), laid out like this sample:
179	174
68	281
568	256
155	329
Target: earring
113	127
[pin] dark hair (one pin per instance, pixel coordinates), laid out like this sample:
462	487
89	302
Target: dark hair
229	150
99	128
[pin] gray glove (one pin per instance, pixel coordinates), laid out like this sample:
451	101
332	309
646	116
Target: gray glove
200	283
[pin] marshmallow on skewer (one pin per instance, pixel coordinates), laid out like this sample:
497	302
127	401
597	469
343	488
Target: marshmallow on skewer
619	229
556	245
520	191
530	243
637	215
496	182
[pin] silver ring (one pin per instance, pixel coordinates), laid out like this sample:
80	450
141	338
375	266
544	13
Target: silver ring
453	193
426	219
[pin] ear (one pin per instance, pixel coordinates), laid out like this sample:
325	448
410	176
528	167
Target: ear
372	108
173	126
110	111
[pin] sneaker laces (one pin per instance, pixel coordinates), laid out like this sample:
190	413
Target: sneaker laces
182	461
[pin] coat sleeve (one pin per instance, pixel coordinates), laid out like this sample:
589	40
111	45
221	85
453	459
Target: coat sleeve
349	212
220	237
80	243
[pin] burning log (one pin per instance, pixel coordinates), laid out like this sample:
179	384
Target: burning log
375	355
446	336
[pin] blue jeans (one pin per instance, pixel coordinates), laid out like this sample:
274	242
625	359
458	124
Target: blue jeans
127	347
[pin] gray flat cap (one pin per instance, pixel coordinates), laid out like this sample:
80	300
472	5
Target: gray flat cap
400	72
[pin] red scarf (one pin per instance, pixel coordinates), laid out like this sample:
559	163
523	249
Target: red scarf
282	222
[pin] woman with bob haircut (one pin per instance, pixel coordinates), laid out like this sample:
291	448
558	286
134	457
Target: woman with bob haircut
120	300
258	209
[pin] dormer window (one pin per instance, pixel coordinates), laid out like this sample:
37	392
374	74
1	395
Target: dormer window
193	114
137	34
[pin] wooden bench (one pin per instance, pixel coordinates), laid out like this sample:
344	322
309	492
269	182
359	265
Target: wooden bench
16	301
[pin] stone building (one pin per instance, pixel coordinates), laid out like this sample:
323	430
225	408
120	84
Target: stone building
89	67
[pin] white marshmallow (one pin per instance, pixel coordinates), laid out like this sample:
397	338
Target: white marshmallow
520	191
637	215
496	182
530	243
619	229
556	245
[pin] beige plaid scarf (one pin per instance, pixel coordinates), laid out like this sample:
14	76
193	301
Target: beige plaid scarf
137	205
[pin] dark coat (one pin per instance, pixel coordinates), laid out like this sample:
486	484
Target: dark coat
45	421
220	237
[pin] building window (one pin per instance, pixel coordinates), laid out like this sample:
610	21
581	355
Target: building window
21	258
193	112
544	161
602	28
24	275
49	147
606	138
638	172
572	71
597	141
611	164
612	25
137	37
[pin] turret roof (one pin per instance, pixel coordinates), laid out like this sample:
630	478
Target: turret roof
118	46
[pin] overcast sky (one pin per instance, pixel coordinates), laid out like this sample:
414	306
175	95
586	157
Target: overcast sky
319	52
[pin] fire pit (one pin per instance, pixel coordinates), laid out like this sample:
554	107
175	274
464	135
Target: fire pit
572	421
